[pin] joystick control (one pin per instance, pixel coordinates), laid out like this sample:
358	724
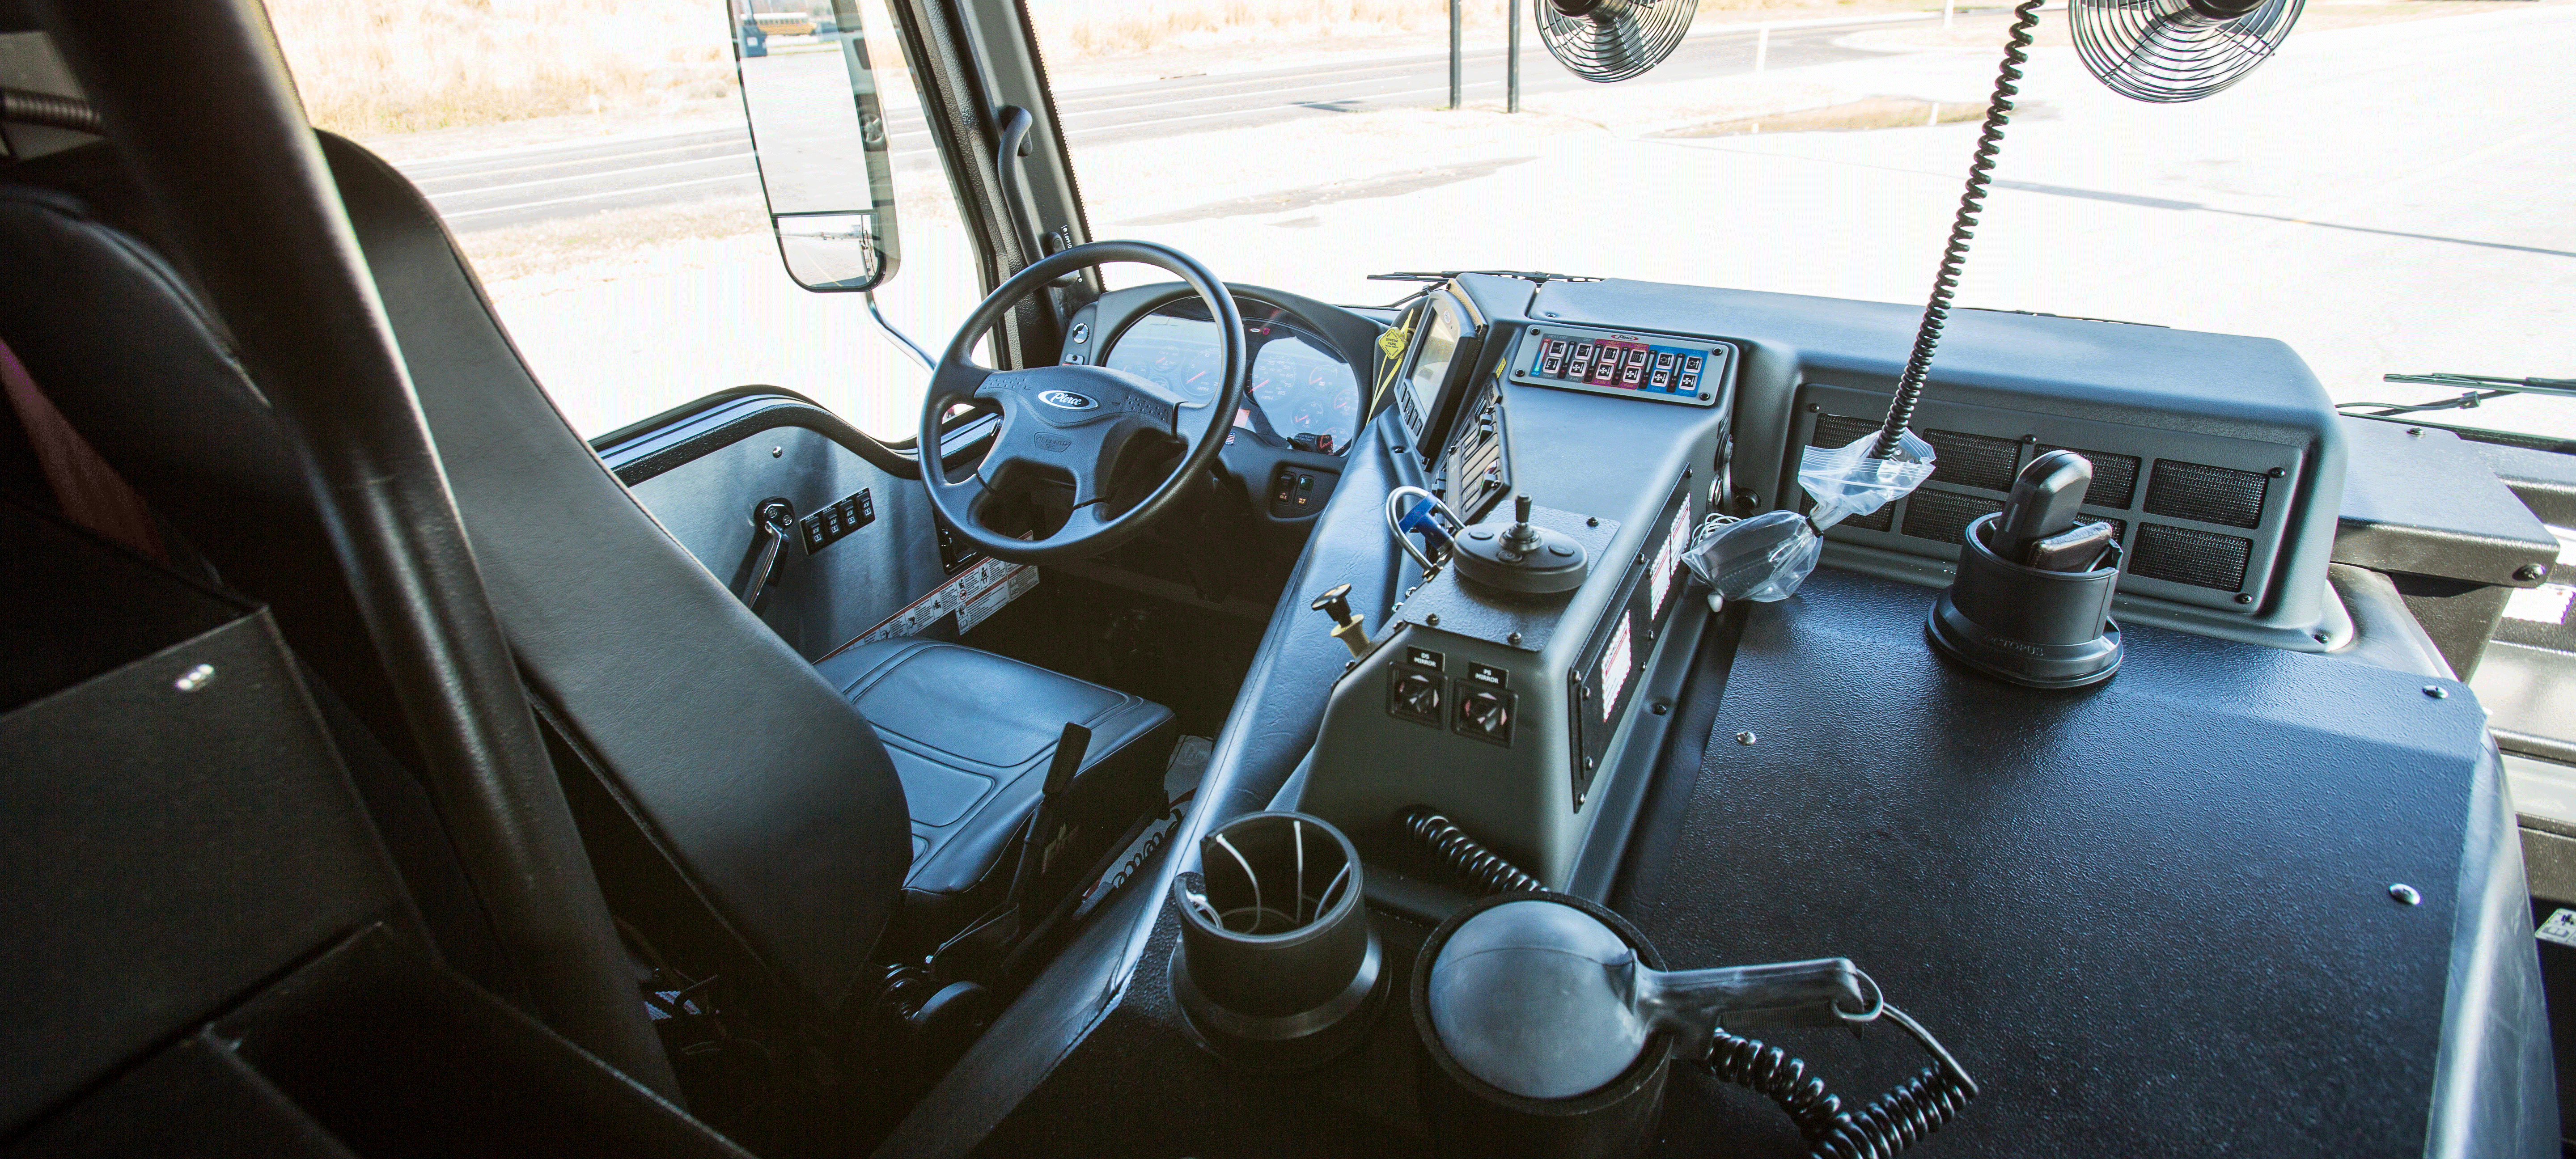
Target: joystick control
1521	556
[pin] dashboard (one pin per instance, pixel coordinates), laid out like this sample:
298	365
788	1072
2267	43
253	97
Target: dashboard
1302	391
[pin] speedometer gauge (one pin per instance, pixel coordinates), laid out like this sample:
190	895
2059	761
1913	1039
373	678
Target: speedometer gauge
1300	386
1179	354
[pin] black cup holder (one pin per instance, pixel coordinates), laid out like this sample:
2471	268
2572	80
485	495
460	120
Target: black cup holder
2035	628
1277	968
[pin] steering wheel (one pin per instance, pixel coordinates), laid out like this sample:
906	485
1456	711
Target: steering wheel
1076	422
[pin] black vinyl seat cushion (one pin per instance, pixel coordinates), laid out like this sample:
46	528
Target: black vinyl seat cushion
971	735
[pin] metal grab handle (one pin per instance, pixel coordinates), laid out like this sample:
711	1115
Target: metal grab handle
777	524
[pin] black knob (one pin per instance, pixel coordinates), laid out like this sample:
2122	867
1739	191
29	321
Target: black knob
1335	603
1486	712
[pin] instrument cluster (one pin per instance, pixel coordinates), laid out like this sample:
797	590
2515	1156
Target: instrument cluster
1301	391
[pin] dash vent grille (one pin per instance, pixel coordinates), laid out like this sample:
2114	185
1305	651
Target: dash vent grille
2185	556
1839	430
1968	460
2115	477
2206	494
1944	516
2203	518
1879	520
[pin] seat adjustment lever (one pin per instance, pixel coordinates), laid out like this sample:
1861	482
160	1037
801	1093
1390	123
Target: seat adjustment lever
775	524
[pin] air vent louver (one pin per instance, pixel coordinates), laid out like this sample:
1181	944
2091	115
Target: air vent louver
2207	494
2185	556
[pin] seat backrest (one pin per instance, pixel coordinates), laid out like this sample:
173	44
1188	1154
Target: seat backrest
747	775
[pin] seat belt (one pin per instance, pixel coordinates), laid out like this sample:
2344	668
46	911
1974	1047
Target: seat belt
86	489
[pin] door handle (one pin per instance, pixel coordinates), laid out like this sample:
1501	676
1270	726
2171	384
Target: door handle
775	522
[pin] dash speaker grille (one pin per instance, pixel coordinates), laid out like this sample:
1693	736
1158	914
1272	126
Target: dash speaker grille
2207	494
1944	516
2115	477
1839	430
1968	460
1880	520
2203	559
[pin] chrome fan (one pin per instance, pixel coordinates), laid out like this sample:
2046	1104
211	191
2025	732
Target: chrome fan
1613	40
2169	51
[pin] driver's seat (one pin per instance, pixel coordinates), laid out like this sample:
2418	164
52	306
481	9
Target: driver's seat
736	802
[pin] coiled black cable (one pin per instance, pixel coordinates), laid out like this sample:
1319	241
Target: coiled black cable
34	108
1972	202
1777	1075
1889	1123
1896	1120
1467	855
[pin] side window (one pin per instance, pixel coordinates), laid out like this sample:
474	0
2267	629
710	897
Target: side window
592	158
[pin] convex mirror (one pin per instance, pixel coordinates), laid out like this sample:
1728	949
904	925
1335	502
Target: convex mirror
818	134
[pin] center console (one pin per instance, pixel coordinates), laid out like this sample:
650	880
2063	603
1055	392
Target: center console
1492	704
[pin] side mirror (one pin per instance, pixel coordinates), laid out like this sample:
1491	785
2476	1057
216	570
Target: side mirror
818	133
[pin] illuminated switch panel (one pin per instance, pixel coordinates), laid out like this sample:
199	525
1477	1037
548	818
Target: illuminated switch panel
1665	369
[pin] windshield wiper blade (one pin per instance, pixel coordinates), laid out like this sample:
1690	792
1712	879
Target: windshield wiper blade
2482	388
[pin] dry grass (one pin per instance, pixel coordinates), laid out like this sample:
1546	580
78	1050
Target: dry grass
376	67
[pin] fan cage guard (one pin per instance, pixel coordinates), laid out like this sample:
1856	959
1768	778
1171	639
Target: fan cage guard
1616	39
2169	51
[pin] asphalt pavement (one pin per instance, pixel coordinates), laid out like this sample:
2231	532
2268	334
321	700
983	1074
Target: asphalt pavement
517	186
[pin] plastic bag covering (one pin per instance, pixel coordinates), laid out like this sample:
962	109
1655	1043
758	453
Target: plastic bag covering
1765	558
1761	559
1847	482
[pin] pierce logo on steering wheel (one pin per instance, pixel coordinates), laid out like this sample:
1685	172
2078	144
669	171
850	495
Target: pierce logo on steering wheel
1066	399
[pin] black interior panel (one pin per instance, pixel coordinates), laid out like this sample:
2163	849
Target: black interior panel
2152	918
824	599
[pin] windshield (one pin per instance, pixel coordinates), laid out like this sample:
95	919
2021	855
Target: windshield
2384	194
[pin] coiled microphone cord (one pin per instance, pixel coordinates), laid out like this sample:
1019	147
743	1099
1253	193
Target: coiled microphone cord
1467	855
1972	203
1889	1123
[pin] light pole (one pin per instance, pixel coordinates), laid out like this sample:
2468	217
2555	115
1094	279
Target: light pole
1457	56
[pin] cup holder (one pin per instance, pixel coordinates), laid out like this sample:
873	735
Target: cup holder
1277	968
